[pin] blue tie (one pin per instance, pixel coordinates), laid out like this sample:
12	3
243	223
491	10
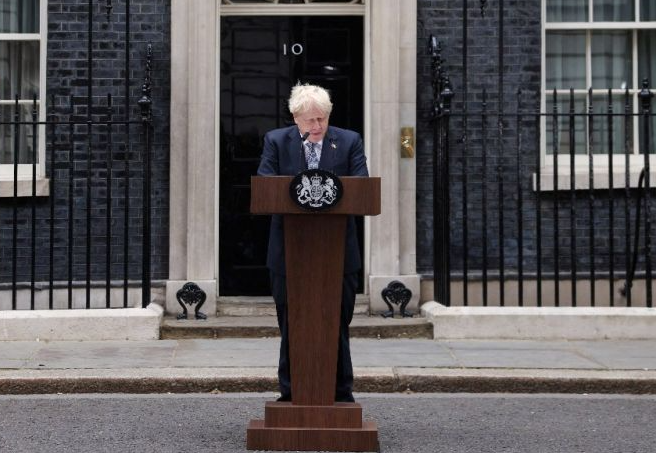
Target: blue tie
312	158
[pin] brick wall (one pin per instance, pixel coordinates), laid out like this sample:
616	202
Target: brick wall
67	72
521	49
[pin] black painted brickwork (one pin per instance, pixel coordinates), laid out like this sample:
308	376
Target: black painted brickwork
67	72
522	47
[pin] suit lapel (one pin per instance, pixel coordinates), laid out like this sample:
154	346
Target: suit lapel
328	150
294	149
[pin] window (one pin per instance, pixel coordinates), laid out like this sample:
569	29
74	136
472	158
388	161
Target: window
22	73
598	44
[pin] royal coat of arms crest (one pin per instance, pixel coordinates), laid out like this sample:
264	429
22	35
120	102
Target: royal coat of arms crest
316	189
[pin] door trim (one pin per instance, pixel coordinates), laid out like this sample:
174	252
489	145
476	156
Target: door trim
293	10
390	103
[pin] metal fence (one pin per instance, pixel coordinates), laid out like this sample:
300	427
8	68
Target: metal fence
538	200
84	234
578	233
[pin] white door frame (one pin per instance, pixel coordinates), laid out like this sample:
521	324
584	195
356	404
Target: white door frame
390	103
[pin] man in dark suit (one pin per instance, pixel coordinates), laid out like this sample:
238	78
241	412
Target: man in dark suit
312	143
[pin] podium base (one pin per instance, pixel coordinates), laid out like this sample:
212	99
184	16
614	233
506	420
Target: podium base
288	426
259	437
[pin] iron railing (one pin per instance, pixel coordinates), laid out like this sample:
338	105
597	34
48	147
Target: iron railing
90	223
496	221
574	231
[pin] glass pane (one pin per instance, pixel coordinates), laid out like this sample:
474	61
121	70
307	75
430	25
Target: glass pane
613	10
567	10
563	138
652	139
600	134
648	10
19	16
647	56
611	59
8	135
565	60
19	69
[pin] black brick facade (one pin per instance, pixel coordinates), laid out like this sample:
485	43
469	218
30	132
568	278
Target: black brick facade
150	23
67	72
522	66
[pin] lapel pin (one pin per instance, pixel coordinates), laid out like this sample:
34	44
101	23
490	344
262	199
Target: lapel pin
333	145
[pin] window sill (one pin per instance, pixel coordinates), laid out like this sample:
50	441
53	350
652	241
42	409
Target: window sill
582	180
25	188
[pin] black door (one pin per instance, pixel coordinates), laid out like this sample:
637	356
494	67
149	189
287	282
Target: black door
261	59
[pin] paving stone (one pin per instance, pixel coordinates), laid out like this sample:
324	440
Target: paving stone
620	354
104	354
522	358
18	350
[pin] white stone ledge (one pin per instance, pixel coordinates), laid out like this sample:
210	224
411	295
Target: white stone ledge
24	188
582	179
562	323
80	325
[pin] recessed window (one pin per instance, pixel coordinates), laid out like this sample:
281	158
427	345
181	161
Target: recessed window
22	48
606	45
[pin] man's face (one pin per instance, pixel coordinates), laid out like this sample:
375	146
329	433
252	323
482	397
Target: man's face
313	121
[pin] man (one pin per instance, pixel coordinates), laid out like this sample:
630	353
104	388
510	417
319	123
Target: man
330	148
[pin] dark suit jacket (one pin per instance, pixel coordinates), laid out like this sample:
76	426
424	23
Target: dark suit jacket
342	153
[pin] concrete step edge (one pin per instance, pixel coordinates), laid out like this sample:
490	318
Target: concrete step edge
264	306
250	328
390	382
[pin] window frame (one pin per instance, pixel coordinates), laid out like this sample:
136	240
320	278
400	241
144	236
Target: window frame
273	8
600	160
25	170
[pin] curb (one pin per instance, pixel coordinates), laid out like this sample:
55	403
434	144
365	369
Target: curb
399	380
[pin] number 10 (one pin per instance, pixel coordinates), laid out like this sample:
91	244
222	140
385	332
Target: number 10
296	49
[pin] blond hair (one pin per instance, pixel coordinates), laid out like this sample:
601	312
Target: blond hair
304	97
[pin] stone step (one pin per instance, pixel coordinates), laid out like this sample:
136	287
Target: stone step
264	306
266	326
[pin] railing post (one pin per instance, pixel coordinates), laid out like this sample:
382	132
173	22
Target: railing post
35	133
14	240
442	95
145	105
128	147
645	101
555	150
434	49
446	95
465	148
89	151
53	192
591	197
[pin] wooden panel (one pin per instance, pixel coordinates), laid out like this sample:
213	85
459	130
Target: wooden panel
308	439
314	255
288	415
270	195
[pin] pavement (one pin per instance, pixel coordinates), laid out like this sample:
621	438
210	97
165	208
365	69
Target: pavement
381	365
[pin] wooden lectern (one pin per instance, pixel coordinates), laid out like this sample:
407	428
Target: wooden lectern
314	256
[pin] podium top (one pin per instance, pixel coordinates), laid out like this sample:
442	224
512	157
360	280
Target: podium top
270	195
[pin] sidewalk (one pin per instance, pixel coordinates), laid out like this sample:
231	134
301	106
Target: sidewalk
388	365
